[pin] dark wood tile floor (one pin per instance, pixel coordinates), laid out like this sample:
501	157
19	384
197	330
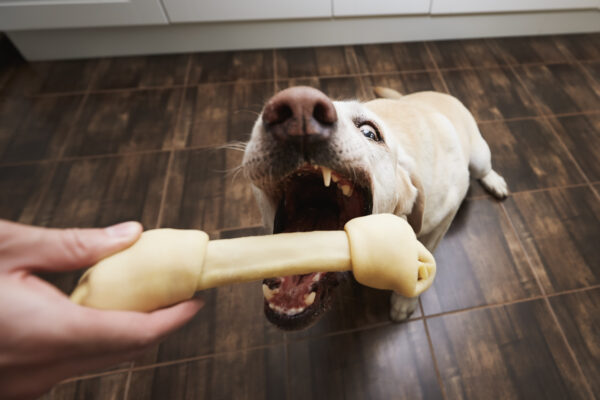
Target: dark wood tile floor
514	312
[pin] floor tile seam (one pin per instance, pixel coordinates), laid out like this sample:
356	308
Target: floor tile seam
437	68
224	145
511	302
436	368
487	196
283	343
541	116
569	348
54	164
317	337
95	375
170	162
287	78
550	126
545	298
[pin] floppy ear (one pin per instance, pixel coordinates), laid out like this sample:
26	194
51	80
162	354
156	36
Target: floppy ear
411	199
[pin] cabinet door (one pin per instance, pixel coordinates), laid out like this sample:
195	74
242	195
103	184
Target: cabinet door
238	10
343	8
41	14
484	6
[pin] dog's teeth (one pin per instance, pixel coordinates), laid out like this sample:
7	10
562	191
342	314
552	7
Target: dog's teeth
326	176
310	298
268	293
335	177
347	190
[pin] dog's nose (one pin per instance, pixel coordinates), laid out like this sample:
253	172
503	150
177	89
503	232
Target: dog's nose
300	114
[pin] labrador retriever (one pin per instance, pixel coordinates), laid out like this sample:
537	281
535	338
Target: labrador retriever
315	163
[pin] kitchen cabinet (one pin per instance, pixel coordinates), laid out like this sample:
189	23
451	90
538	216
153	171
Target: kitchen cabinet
243	10
42	14
494	6
348	8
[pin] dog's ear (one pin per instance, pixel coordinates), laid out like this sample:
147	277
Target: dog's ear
411	200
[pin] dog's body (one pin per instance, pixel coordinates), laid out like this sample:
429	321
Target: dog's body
414	158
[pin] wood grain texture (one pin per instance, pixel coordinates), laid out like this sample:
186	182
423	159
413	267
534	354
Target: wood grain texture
35	128
316	61
253	374
22	190
579	316
406	83
341	88
528	155
560	230
490	94
140	72
49	77
101	192
509	352
231	66
480	262
125	122
534	49
560	88
204	192
393	57
217	114
392	362
107	387
585	47
593	70
465	54
581	135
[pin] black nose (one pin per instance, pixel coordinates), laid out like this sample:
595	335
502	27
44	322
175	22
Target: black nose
300	114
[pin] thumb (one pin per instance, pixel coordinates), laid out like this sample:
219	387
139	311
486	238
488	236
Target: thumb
49	249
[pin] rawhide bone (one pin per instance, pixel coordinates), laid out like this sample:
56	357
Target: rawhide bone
166	266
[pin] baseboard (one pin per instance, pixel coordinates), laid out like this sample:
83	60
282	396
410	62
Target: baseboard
180	38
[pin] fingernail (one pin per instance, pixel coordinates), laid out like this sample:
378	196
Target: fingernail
123	229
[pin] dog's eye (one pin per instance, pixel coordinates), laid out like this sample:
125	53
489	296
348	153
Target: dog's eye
370	132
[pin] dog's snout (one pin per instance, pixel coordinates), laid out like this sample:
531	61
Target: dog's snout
300	114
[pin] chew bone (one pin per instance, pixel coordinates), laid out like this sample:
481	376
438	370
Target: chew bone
166	266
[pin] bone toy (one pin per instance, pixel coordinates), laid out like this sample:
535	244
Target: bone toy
166	266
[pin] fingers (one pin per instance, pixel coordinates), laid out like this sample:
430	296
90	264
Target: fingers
62	249
131	331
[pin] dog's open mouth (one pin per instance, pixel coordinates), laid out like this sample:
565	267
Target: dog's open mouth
311	198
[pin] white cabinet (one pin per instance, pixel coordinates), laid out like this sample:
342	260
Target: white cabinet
347	8
492	6
239	10
42	14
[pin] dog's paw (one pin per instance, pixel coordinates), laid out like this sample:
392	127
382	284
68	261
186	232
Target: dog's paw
402	307
495	184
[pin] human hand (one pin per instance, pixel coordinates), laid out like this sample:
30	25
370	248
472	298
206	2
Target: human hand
44	337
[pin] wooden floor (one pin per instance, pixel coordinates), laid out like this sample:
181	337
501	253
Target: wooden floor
515	310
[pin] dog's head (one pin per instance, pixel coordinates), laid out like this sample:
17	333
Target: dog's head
314	165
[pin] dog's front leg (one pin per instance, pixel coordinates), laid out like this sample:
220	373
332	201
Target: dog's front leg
402	307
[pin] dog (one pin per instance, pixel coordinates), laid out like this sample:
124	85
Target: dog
315	163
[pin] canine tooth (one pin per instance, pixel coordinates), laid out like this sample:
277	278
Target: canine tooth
268	293
310	298
326	176
316	277
347	190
